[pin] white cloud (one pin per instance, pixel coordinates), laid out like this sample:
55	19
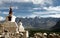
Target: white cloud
42	2
46	13
50	12
13	7
28	16
5	12
55	16
11	1
51	8
34	1
1	18
20	16
20	0
37	8
38	1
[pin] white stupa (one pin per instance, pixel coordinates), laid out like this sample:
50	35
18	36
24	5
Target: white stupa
20	27
11	17
10	22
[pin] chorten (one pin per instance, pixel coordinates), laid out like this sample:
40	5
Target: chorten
10	24
10	17
20	27
22	30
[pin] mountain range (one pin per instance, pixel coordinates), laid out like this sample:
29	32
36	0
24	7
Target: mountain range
56	27
42	23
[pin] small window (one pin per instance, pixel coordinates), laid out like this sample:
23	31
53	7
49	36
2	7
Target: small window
9	18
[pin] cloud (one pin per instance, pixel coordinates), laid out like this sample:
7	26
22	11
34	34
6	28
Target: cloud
2	18
33	1
37	8
51	8
49	12
22	0
43	2
55	16
5	12
13	7
46	13
11	1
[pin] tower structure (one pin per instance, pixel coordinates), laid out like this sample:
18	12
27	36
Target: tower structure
10	24
10	16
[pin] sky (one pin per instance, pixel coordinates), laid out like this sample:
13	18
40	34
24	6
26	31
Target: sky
30	8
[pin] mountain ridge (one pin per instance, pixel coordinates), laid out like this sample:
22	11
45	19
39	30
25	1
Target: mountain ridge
43	23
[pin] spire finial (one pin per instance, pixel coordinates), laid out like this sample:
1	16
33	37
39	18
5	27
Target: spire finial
10	11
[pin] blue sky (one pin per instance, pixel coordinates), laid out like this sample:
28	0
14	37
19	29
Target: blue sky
30	8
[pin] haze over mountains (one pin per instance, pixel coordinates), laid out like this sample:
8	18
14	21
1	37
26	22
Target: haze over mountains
42	23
